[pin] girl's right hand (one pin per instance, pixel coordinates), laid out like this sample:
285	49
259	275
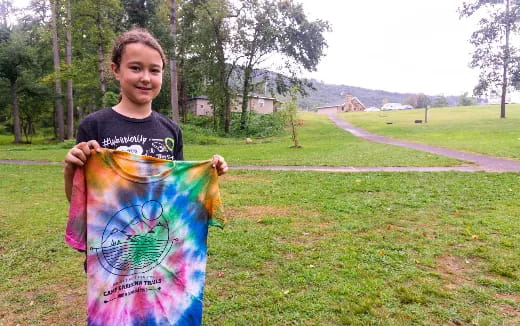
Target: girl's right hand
78	155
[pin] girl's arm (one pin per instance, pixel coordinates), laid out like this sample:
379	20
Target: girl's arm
76	156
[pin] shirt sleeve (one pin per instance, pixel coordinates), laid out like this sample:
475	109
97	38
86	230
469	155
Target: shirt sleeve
76	232
83	134
178	152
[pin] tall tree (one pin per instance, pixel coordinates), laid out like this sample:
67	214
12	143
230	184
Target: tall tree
68	61
174	98
268	26
57	80
494	54
216	44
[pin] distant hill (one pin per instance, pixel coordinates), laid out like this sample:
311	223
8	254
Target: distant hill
330	94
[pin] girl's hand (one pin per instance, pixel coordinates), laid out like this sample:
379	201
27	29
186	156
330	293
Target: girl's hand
78	155
220	164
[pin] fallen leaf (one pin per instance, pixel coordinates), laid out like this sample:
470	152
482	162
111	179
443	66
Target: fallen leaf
389	227
474	236
31	303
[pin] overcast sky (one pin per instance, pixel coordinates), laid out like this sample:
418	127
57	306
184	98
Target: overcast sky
399	45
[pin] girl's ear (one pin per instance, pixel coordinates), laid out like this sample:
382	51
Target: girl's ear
115	70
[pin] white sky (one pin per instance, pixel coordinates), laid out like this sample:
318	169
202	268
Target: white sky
394	45
399	45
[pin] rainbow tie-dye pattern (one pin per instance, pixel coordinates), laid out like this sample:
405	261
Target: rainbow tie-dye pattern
143	223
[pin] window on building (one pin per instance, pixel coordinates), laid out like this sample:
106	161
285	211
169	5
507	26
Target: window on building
261	102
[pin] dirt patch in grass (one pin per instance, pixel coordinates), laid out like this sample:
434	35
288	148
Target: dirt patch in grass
258	212
511	311
254	178
455	270
508	296
73	305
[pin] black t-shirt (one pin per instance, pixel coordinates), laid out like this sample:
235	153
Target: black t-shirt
154	135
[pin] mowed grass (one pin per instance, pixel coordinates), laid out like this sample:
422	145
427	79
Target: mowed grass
476	129
323	143
301	248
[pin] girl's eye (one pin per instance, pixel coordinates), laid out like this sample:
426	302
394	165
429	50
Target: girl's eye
135	68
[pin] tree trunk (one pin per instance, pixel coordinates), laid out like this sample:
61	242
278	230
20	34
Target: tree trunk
506	64
174	96
57	81
16	114
183	96
101	55
245	98
68	61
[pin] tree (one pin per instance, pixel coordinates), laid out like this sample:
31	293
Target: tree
268	26
411	100
423	101
68	61
440	101
464	100
291	112
173	62
494	54
57	81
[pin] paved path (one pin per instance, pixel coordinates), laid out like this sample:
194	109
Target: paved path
486	163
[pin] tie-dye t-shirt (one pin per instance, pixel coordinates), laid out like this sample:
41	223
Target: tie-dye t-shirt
143	223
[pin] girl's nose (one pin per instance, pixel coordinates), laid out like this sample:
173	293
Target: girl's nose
145	76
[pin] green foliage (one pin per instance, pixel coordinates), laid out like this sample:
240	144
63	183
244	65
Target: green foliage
439	101
110	99
290	109
259	125
464	100
497	59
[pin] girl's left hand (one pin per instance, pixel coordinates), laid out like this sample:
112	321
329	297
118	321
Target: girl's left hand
220	164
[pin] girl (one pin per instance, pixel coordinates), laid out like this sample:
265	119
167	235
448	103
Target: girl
144	234
138	63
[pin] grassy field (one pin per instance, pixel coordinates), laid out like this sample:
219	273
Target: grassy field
301	248
323	144
472	129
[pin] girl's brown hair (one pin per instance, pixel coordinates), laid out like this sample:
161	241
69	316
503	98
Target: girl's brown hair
135	35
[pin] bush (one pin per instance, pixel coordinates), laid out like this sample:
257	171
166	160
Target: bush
259	125
193	134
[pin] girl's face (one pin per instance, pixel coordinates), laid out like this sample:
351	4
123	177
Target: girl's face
139	74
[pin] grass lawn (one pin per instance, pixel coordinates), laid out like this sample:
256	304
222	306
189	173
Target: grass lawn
475	129
301	248
323	144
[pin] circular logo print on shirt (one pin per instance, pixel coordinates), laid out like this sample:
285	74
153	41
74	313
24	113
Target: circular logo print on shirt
135	240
